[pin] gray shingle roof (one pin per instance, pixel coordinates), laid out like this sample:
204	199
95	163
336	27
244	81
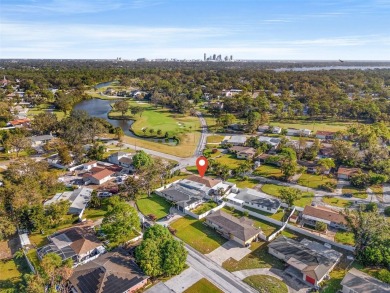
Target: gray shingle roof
360	282
252	196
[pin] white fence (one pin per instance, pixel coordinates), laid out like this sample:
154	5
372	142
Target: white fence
198	217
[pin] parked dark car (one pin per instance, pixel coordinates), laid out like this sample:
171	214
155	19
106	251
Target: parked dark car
349	195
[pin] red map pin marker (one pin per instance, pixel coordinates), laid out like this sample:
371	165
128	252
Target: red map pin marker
201	164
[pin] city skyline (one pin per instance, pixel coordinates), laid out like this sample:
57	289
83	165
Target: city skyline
266	30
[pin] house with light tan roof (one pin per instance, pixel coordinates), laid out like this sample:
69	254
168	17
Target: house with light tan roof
333	219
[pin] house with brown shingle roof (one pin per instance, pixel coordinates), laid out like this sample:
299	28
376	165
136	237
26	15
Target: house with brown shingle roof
347	173
209	182
333	219
240	230
78	243
112	272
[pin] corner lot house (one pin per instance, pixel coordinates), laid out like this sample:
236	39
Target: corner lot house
254	199
240	230
78	199
333	219
356	281
78	243
308	260
346	173
40	140
234	140
111	272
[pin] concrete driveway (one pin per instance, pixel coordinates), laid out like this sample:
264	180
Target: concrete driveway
183	281
230	249
386	193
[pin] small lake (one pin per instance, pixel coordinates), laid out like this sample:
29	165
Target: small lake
100	108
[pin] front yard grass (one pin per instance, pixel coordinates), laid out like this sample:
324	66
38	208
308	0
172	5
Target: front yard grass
258	258
155	205
247	183
337	202
204	207
203	286
268	171
356	192
345	237
265	283
314	181
197	235
215	138
273	189
378	191
279	215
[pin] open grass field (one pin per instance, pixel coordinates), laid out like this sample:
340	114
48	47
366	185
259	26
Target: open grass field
264	283
268	171
155	205
197	235
314	181
229	160
273	189
249	183
356	192
258	258
203	286
11	272
317	126
44	108
337	202
345	238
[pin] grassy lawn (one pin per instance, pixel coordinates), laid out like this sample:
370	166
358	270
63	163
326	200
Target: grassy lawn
279	215
273	189
229	160
322	126
197	235
356	192
266	227
344	238
258	258
155	205
337	202
264	283
333	285
204	207
268	171
314	181
202	286
215	138
11	274
94	214
249	183
43	108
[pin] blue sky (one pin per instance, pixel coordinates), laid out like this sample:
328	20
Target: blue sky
246	29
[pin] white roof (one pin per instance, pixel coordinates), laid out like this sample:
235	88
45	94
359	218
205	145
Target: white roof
237	139
24	240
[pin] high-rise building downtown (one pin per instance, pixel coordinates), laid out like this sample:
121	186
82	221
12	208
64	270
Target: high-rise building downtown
204	57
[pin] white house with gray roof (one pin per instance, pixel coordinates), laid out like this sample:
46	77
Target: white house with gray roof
234	140
254	199
78	198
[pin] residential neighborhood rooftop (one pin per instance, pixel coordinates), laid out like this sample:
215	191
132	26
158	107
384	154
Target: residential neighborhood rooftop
324	213
358	282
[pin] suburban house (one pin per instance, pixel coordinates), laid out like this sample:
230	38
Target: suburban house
276	130
263	158
234	140
333	219
78	199
88	166
55	161
263	128
325	134
308	260
243	152
78	243
347	173
272	141
356	281
298	132
98	176
40	140
254	199
122	159
192	191
326	150
311	167
19	122
240	230
111	272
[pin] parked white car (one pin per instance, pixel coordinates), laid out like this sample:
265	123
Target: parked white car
104	194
